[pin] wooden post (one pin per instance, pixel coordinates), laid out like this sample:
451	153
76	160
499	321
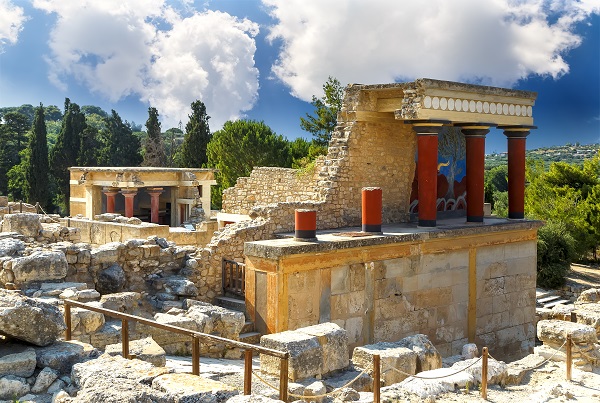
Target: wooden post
569	356
283	379
248	372
195	355
484	373
125	338
376	378
68	321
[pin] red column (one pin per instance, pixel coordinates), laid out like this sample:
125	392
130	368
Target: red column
371	209
427	159
154	203
475	150
110	194
305	225
129	197
516	136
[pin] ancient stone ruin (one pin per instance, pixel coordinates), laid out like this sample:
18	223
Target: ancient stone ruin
383	249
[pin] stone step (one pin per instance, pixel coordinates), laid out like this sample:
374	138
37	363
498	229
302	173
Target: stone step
557	302
231	303
248	327
548	299
541	293
250	337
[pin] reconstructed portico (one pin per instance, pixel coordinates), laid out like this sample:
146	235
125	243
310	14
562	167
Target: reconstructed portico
157	195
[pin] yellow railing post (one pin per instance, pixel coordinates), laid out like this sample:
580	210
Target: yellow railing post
195	355
283	379
125	338
68	321
484	373
248	372
376	378
569	356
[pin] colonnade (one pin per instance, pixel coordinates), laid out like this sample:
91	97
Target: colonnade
427	132
129	195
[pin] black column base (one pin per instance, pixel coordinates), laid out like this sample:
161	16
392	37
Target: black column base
427	223
372	228
474	218
516	215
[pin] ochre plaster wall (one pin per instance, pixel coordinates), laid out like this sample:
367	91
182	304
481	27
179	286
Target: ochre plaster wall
455	289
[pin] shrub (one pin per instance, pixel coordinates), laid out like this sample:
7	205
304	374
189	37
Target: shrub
556	249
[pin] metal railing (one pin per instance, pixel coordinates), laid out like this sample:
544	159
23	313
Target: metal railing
234	277
196	337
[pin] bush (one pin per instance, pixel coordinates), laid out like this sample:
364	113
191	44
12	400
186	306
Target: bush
556	249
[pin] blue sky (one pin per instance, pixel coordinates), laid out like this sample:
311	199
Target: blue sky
264	59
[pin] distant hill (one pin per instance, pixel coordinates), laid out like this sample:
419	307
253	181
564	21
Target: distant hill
570	153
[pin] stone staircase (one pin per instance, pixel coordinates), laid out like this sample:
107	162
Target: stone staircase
549	298
247	335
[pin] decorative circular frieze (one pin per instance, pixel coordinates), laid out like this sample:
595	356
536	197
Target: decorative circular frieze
466	105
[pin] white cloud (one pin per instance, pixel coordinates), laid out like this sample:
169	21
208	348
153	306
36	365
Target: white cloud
145	48
12	19
495	42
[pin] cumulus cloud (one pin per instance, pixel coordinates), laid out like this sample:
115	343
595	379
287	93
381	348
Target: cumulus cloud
12	19
147	49
494	42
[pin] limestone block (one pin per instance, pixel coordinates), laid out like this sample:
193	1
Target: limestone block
180	286
107	253
27	224
62	355
305	354
30	320
54	289
17	359
111	279
555	331
428	356
470	351
315	389
588	296
40	266
391	356
11	386
172	343
86	321
191	388
144	349
334	342
110	333
227	323
44	379
126	302
11	247
589	314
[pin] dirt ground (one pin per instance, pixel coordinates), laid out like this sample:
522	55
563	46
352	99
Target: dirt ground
584	275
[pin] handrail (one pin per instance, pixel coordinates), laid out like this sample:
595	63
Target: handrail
196	336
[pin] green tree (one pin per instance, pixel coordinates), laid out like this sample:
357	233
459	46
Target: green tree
120	147
173	140
89	149
64	153
36	163
197	136
240	146
13	138
52	113
93	110
154	150
323	120
495	180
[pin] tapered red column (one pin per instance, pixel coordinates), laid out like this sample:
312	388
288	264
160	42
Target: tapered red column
427	159
516	136
154	203
129	195
475	150
110	194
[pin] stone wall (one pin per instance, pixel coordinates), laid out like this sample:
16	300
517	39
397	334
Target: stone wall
463	286
362	153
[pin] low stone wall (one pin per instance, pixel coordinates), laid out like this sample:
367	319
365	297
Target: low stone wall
453	285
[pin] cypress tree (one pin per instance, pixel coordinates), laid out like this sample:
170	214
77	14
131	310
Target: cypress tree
121	148
36	166
154	150
197	136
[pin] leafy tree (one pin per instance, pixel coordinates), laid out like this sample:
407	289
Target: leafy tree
17	125
154	150
89	149
13	139
555	251
173	140
240	146
495	180
36	163
323	120
52	113
93	110
64	153
197	136
120	147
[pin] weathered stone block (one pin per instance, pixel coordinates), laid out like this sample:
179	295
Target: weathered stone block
17	359
189	388
40	266
392	357
144	349
334	342
555	331
61	356
27	224
305	354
